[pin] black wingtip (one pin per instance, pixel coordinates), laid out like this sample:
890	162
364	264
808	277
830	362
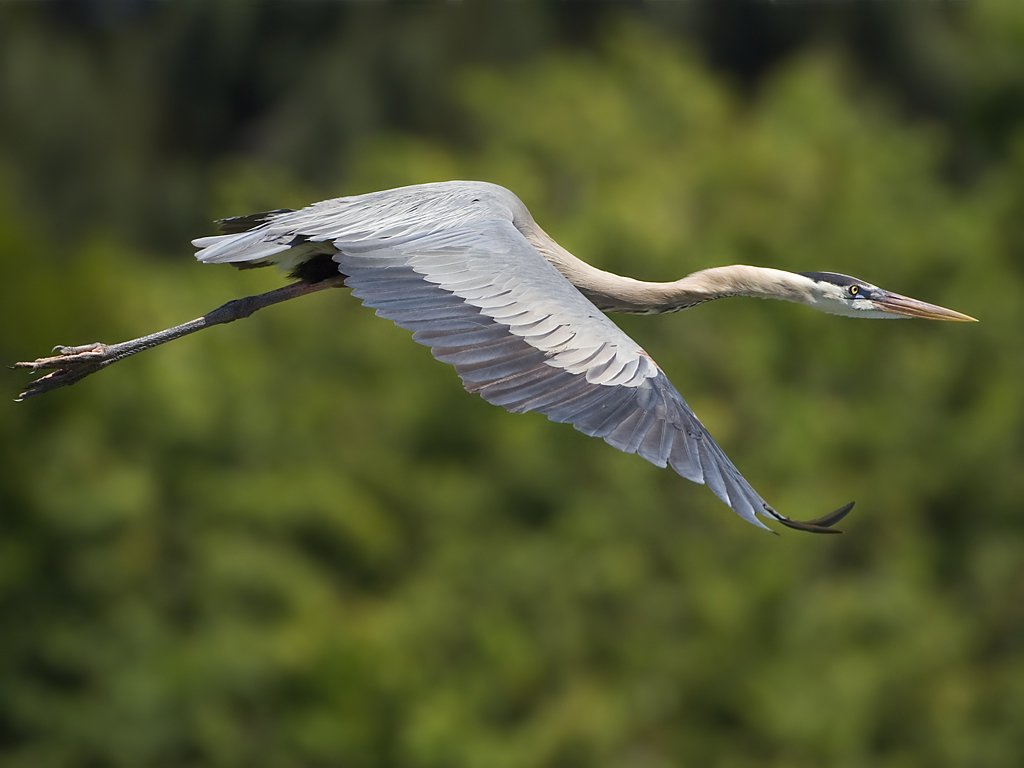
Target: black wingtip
821	524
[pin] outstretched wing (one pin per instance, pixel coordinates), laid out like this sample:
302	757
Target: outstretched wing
521	336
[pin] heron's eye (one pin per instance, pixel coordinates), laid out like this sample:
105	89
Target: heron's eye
854	291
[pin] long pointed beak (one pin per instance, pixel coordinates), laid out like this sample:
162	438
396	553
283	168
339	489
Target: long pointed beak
905	306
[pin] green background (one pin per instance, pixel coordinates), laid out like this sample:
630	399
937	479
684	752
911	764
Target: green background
295	541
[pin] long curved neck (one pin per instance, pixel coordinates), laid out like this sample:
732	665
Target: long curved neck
615	293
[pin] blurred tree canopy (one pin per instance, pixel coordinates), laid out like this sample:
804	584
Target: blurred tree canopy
297	541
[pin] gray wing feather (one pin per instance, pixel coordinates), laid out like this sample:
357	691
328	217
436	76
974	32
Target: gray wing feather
468	284
519	335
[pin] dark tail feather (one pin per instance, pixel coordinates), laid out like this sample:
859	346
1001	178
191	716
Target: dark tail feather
235	225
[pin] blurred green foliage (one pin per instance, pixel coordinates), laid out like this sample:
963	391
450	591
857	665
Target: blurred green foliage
296	542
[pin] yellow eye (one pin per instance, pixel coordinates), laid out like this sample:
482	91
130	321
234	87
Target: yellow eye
853	290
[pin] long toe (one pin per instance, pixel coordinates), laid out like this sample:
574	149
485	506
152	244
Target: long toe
96	346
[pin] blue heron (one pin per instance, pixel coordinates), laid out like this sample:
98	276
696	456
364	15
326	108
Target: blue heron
464	266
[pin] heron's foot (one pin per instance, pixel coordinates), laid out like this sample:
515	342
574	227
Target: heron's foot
69	365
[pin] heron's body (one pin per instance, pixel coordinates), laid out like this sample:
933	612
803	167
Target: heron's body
465	267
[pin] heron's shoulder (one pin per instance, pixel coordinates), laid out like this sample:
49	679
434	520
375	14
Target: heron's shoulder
456	201
463	191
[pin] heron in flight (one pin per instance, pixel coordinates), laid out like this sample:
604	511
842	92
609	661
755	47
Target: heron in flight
464	266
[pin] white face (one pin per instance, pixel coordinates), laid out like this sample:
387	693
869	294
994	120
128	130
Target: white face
855	299
851	297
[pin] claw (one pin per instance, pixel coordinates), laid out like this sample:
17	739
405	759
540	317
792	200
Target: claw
821	524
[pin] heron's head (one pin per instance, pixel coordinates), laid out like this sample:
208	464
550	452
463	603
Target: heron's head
852	297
